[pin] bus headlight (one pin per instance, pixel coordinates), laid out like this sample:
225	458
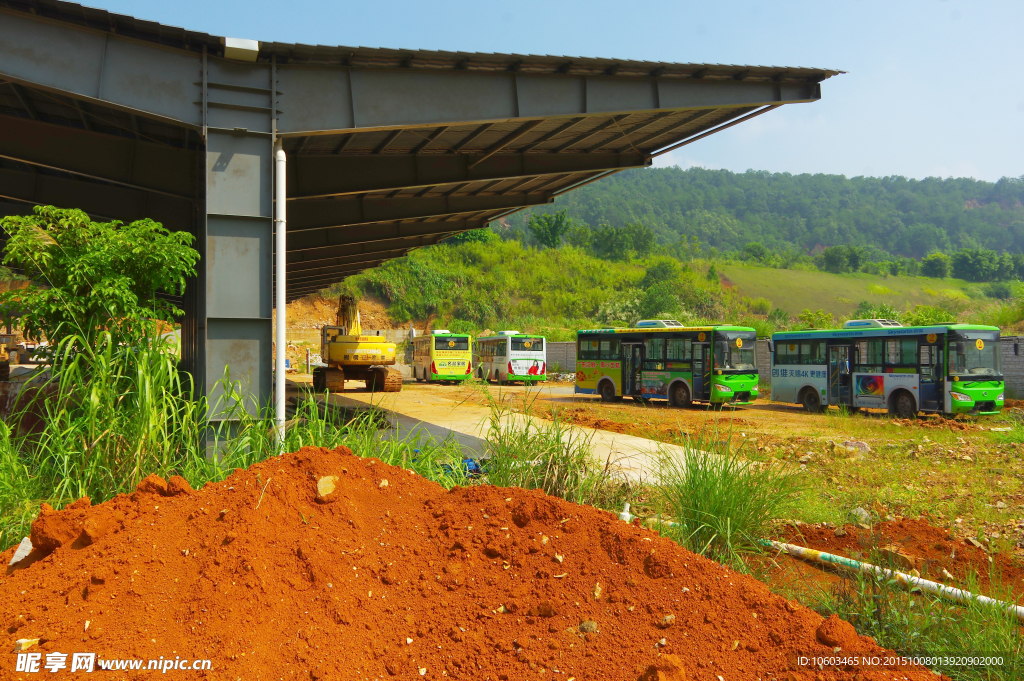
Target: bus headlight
959	397
723	388
1000	398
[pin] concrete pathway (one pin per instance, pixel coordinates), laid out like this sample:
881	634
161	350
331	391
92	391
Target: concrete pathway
431	411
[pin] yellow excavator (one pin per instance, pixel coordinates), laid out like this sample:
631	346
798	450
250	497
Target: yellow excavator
351	356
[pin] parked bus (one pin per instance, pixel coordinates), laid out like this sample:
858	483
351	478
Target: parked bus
881	364
662	359
511	356
442	356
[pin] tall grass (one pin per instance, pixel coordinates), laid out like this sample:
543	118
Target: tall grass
719	504
109	416
553	456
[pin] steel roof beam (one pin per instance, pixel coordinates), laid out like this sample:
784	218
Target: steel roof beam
614	120
318	273
688	120
111	202
307	260
360	98
324	175
350	211
131	163
19	92
385	236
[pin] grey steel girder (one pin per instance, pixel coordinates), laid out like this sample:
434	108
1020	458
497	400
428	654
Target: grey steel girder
321	176
324	241
351	211
164	83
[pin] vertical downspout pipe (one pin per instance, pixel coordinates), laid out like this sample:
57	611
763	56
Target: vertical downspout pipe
280	246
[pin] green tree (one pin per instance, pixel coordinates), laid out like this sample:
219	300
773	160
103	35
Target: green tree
633	240
835	259
549	229
660	301
867	310
660	271
484	236
580	236
754	251
935	265
95	277
816	319
925	315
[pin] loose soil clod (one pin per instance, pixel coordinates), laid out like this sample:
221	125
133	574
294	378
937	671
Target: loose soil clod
398	581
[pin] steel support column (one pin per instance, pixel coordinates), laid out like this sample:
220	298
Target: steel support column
235	319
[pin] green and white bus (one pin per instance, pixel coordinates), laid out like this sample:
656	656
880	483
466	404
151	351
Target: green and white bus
442	356
511	356
662	359
880	364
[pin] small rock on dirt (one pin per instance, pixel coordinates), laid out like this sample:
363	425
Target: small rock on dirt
667	621
974	542
860	515
325	487
806	458
588	627
835	632
178	485
892	555
152	484
840	532
857	445
667	668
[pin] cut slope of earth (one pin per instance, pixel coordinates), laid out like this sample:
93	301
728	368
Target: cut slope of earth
323	565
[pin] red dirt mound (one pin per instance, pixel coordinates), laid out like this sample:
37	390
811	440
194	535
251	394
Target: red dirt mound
323	565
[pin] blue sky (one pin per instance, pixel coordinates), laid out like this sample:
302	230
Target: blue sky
933	87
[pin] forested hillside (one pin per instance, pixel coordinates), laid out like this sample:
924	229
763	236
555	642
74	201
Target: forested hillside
887	216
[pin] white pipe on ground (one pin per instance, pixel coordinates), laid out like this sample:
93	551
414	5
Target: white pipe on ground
958	595
280	244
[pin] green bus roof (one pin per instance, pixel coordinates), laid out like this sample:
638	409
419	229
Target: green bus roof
671	329
882	331
512	335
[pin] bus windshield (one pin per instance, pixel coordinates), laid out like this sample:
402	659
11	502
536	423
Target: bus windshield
977	357
451	343
736	351
527	345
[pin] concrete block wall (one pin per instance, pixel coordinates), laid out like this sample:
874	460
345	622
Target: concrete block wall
1013	366
562	354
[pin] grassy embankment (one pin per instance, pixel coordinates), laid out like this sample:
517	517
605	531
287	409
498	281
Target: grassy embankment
839	294
473	287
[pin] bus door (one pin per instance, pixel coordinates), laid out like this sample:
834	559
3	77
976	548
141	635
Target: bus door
932	376
839	377
632	366
702	361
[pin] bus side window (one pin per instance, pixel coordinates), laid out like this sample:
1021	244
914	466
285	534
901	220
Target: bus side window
679	349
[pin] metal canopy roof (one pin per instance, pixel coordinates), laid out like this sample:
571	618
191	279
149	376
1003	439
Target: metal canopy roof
297	53
378	165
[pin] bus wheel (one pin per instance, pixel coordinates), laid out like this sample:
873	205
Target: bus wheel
680	395
903	406
607	391
812	401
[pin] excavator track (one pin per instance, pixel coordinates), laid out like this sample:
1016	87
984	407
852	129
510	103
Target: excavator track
384	380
